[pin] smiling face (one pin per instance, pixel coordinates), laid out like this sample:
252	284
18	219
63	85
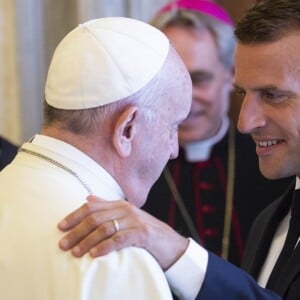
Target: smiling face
212	82
268	77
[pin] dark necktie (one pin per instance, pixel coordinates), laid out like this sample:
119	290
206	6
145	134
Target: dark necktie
290	242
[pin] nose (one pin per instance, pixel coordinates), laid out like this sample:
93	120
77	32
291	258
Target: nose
251	116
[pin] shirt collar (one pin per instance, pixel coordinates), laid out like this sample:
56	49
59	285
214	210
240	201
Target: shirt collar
200	151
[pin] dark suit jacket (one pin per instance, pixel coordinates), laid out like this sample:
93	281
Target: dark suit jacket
224	281
259	241
7	152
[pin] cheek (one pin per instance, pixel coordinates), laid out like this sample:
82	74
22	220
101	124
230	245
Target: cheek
212	93
168	146
222	98
203	94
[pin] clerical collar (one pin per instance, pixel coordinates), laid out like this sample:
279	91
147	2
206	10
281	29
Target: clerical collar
297	183
200	151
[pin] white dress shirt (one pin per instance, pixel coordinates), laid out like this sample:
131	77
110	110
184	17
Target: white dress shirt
186	276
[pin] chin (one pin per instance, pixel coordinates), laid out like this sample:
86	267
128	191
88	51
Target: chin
194	133
272	174
190	138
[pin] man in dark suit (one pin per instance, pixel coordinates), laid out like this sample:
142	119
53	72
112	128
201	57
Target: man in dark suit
267	67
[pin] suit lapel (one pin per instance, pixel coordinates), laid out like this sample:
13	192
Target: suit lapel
263	231
290	272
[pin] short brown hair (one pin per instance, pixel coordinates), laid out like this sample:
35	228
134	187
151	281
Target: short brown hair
268	20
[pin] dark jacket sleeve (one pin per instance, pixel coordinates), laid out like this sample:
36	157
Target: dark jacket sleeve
225	281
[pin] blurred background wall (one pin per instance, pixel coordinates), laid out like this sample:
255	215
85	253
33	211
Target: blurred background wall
29	32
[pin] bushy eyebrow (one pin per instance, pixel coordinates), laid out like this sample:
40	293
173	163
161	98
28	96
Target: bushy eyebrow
265	89
270	87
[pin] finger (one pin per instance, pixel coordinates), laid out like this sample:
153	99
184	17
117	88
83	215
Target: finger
119	240
75	217
88	226
94	204
81	230
101	233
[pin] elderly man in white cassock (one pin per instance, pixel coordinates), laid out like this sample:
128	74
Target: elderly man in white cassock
115	94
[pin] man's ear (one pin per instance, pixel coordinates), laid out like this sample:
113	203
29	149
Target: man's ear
125	131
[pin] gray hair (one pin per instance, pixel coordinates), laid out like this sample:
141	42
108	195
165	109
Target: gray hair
223	33
88	121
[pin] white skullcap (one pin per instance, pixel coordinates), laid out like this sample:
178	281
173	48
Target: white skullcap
104	60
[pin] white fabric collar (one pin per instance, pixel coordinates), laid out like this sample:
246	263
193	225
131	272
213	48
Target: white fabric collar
101	182
200	151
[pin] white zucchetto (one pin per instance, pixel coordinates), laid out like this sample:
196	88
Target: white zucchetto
104	60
